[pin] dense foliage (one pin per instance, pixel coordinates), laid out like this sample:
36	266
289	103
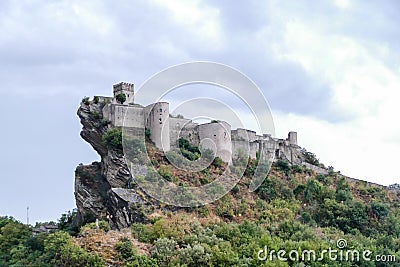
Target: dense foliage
20	247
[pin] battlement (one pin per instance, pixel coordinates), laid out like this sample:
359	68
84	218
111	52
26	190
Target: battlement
123	86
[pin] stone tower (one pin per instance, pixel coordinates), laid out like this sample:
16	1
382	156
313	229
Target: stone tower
292	138
157	121
217	137
124	88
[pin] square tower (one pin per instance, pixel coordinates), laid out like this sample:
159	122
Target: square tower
126	89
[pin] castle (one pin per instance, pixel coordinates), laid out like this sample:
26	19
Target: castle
165	130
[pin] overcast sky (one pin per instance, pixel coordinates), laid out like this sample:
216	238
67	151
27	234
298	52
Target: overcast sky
329	70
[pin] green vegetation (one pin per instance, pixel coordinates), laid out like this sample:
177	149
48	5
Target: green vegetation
121	98
292	210
113	138
85	100
188	151
310	157
19	247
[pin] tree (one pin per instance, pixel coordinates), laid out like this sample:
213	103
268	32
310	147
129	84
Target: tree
121	98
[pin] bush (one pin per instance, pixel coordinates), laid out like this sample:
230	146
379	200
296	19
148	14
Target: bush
113	138
147	132
165	172
218	162
164	250
283	166
121	98
188	151
380	210
61	251
96	99
297	169
125	248
194	256
85	100
142	232
310	157
103	225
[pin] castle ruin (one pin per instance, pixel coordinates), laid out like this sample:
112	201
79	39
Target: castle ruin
165	130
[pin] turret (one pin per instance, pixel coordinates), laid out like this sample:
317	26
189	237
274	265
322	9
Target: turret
292	138
126	89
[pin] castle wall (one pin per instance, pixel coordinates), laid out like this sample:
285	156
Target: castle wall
183	128
244	134
242	146
157	120
316	169
254	148
104	99
116	114
220	134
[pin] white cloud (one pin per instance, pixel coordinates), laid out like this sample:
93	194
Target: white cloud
344	4
356	151
199	20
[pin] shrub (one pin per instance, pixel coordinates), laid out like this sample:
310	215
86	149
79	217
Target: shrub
188	151
125	248
297	169
113	138
165	172
313	191
283	166
141	232
235	189
121	98
380	210
194	256
85	100
147	132
103	225
310	157
61	251
141	261
323	179
96	99
164	250
218	162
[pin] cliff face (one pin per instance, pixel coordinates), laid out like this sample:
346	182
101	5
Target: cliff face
101	189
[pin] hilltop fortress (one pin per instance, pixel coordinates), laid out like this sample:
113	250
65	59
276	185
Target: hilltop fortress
165	130
107	189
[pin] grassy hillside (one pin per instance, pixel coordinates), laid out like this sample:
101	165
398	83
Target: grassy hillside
293	210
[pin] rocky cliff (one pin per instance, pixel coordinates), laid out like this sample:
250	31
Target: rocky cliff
101	189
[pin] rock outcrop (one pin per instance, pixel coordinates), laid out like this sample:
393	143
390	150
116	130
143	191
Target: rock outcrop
101	189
